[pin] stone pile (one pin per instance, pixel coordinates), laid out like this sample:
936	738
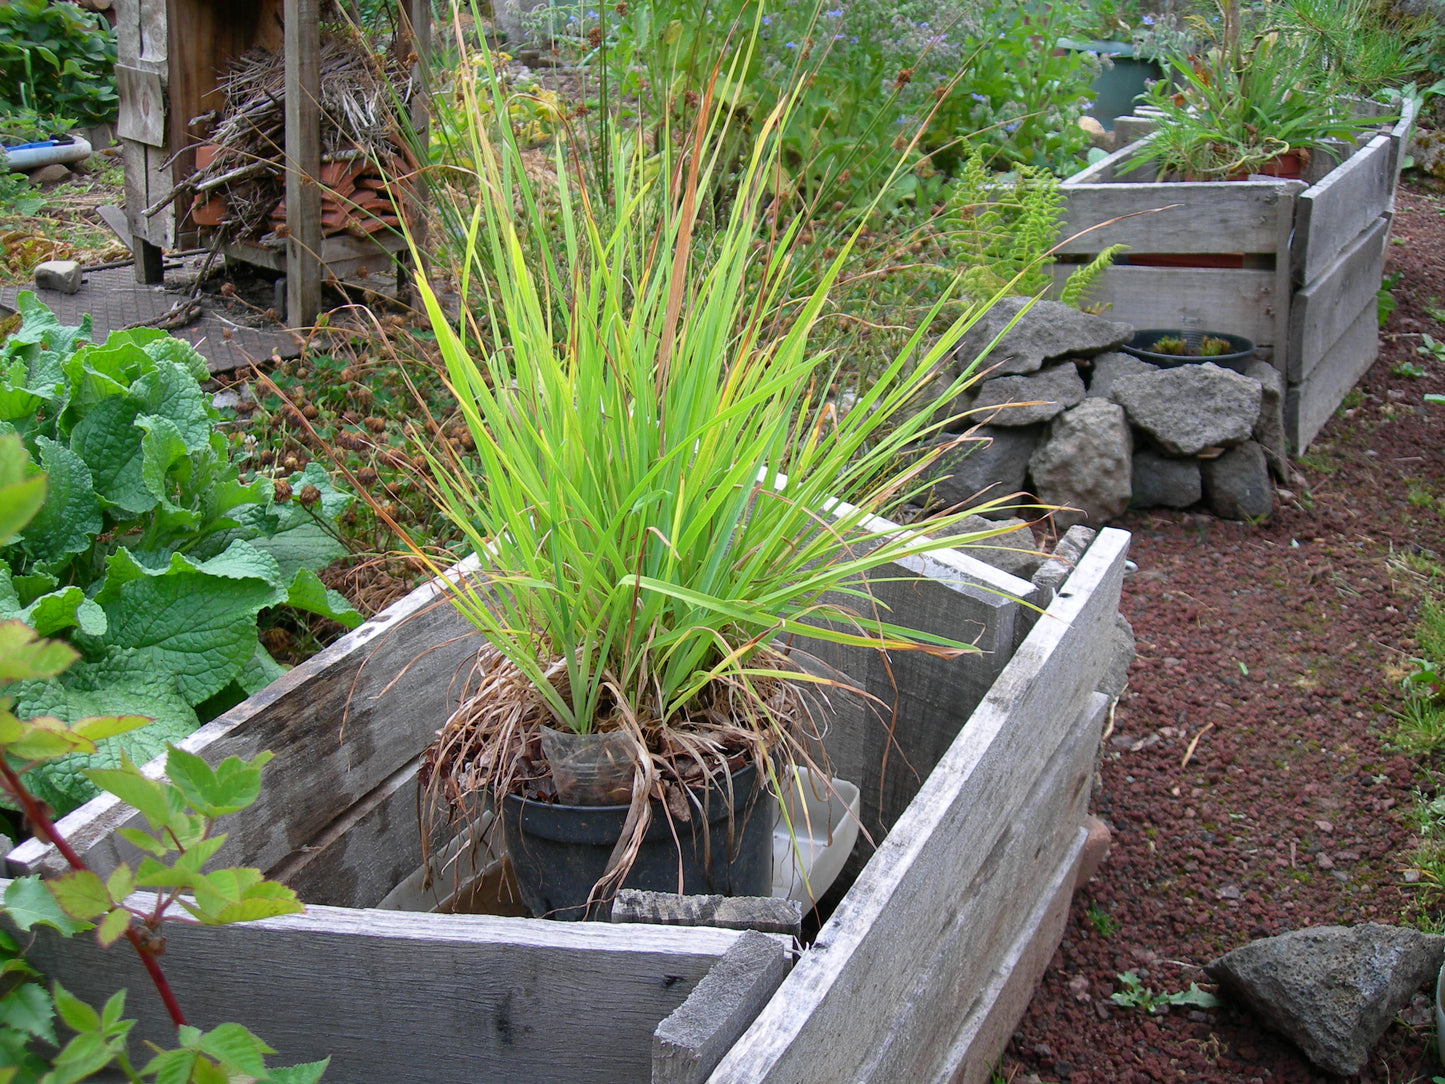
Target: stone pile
1064	415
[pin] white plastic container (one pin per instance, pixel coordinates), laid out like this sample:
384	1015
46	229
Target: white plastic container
824	815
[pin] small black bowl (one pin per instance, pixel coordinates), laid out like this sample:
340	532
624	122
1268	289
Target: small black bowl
1241	350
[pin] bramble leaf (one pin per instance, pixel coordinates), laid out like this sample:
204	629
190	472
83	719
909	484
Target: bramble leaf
82	894
28	902
112	928
232	785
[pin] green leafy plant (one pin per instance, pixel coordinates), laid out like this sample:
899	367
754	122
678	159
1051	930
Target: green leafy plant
1433	309
662	487
1211	346
1135	995
1169	344
1431	347
1236	108
1408	368
1385	296
150	555
180	812
56	60
1103	923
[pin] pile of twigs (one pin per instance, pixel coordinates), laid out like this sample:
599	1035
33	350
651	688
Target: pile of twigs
241	167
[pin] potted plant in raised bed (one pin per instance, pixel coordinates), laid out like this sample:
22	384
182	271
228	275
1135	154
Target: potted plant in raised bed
662	495
1255	104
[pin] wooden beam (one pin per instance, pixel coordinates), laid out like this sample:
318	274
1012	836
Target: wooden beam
303	162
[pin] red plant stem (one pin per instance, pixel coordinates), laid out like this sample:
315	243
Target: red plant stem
47	831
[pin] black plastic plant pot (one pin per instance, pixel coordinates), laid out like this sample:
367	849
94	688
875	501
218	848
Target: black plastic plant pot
559	852
1237	356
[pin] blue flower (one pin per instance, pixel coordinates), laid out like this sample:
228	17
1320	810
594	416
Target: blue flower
978	97
1011	126
767	20
853	40
1147	20
836	13
791	45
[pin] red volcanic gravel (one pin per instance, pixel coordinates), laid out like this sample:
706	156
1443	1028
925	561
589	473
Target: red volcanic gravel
1273	652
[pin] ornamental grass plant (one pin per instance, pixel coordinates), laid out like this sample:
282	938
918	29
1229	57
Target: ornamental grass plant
664	490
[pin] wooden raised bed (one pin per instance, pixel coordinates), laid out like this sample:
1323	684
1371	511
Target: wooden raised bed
1293	265
921	972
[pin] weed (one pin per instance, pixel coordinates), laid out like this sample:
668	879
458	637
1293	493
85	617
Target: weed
1408	368
1431	347
1385	296
1103	923
1434	310
1135	995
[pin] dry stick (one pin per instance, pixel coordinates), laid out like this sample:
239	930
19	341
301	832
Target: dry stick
1190	751
47	831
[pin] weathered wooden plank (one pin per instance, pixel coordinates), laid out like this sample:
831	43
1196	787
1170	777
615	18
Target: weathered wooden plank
1325	309
340	724
303	162
765	914
876	940
1338	209
692	1040
1204	217
1243	301
970	942
393	996
1309	404
127	30
959	597
1001	1004
142	114
364	854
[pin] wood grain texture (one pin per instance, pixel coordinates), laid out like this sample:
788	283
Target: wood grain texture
1326	308
391	996
878	939
970	942
1309	404
340	724
142	112
1205	217
1002	1002
1243	301
1338	209
303	162
692	1040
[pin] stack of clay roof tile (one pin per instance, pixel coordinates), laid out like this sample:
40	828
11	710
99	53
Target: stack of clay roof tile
356	198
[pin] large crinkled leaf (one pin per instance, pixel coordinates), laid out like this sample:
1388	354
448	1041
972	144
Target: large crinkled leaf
260	670
310	594
18	403
64	609
70	517
300	536
10	605
110	442
172	393
39	325
22	488
169	348
162	447
121	683
243	561
197	626
31	585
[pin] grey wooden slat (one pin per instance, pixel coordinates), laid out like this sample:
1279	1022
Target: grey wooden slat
1309	404
393	996
1326	308
974	936
867	952
1338	209
690	1042
303	162
1202	217
1242	301
1001	1004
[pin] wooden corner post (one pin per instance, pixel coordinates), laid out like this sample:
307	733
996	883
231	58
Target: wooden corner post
303	161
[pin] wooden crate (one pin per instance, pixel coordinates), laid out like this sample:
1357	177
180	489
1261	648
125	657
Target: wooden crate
1296	263
921	973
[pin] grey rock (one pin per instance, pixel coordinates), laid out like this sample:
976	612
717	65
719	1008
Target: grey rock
62	275
1112	366
1015	551
51	174
1237	484
1050	392
1162	481
990	464
1191	407
1333	990
1049	330
1121	657
1269	428
1085	464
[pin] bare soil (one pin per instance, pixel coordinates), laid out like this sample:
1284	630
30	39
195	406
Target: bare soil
1248	775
